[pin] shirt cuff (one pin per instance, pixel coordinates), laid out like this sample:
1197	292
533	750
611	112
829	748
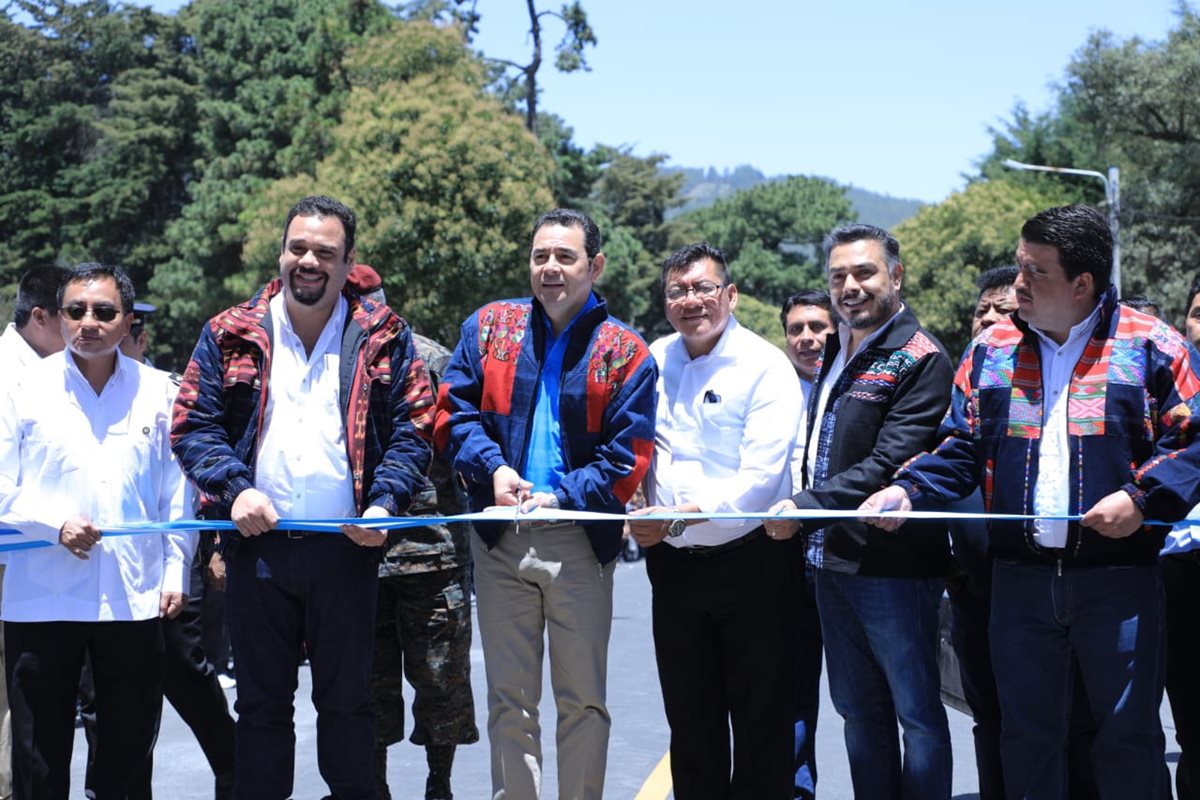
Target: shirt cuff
174	577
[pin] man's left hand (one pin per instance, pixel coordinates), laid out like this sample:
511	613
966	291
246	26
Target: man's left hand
368	537
1115	516
781	529
170	604
538	500
648	532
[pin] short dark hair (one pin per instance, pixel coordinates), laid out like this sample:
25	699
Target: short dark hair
91	270
996	278
1139	302
38	289
806	297
322	206
1192	292
689	254
570	218
858	231
1081	236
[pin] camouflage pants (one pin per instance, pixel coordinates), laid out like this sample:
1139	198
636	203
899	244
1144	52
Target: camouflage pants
423	633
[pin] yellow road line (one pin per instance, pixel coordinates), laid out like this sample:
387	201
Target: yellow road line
658	785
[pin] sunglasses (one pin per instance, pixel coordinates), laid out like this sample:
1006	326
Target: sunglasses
78	311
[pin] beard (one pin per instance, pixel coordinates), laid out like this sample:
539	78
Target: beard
875	314
307	295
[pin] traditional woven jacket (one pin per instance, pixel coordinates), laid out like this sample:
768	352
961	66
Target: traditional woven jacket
384	397
606	409
1132	418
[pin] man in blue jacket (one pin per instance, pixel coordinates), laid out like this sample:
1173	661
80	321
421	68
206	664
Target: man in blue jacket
548	401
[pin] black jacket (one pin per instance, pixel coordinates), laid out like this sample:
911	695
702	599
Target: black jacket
887	405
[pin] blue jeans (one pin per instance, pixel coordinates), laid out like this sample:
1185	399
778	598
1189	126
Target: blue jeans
881	644
1109	620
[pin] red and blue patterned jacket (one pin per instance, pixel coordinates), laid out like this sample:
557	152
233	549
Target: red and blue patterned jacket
606	409
384	395
1132	418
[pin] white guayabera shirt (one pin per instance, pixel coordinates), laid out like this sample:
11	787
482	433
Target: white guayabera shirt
64	450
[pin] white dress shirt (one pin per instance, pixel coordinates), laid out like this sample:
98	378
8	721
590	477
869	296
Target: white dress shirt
66	450
15	354
302	462
1051	493
800	449
725	430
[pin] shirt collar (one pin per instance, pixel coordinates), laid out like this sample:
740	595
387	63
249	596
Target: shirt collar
333	325
588	305
1083	329
123	365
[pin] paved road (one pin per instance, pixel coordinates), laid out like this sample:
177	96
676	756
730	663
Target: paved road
638	742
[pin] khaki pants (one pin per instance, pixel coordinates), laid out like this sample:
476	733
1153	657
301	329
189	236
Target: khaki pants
545	579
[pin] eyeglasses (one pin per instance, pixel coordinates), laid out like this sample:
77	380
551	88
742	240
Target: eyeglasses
78	311
703	291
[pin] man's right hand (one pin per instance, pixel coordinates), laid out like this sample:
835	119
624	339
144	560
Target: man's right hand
253	513
78	535
508	486
216	572
890	498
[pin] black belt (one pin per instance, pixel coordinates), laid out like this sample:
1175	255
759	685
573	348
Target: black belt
290	534
706	551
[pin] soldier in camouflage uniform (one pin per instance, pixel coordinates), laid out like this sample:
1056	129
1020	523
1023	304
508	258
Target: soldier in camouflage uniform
423	625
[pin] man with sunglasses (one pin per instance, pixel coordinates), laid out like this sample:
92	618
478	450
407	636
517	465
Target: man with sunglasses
84	447
724	597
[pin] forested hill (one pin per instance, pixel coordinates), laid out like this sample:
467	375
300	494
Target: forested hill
703	187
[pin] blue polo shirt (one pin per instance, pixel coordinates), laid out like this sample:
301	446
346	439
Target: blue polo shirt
544	465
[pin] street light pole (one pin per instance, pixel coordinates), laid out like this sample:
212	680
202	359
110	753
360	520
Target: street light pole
1112	198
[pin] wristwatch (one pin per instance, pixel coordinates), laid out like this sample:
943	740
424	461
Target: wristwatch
676	528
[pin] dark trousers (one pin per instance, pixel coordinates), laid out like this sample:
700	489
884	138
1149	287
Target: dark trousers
43	668
725	641
1181	580
190	684
970	590
808	683
316	592
1107	621
969	637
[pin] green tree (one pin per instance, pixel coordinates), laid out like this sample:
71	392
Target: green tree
273	84
771	233
95	137
762	318
569	52
1131	104
445	182
945	247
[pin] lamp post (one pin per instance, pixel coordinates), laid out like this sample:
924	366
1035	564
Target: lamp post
1112	197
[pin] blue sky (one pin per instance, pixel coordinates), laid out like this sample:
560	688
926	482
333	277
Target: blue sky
892	97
